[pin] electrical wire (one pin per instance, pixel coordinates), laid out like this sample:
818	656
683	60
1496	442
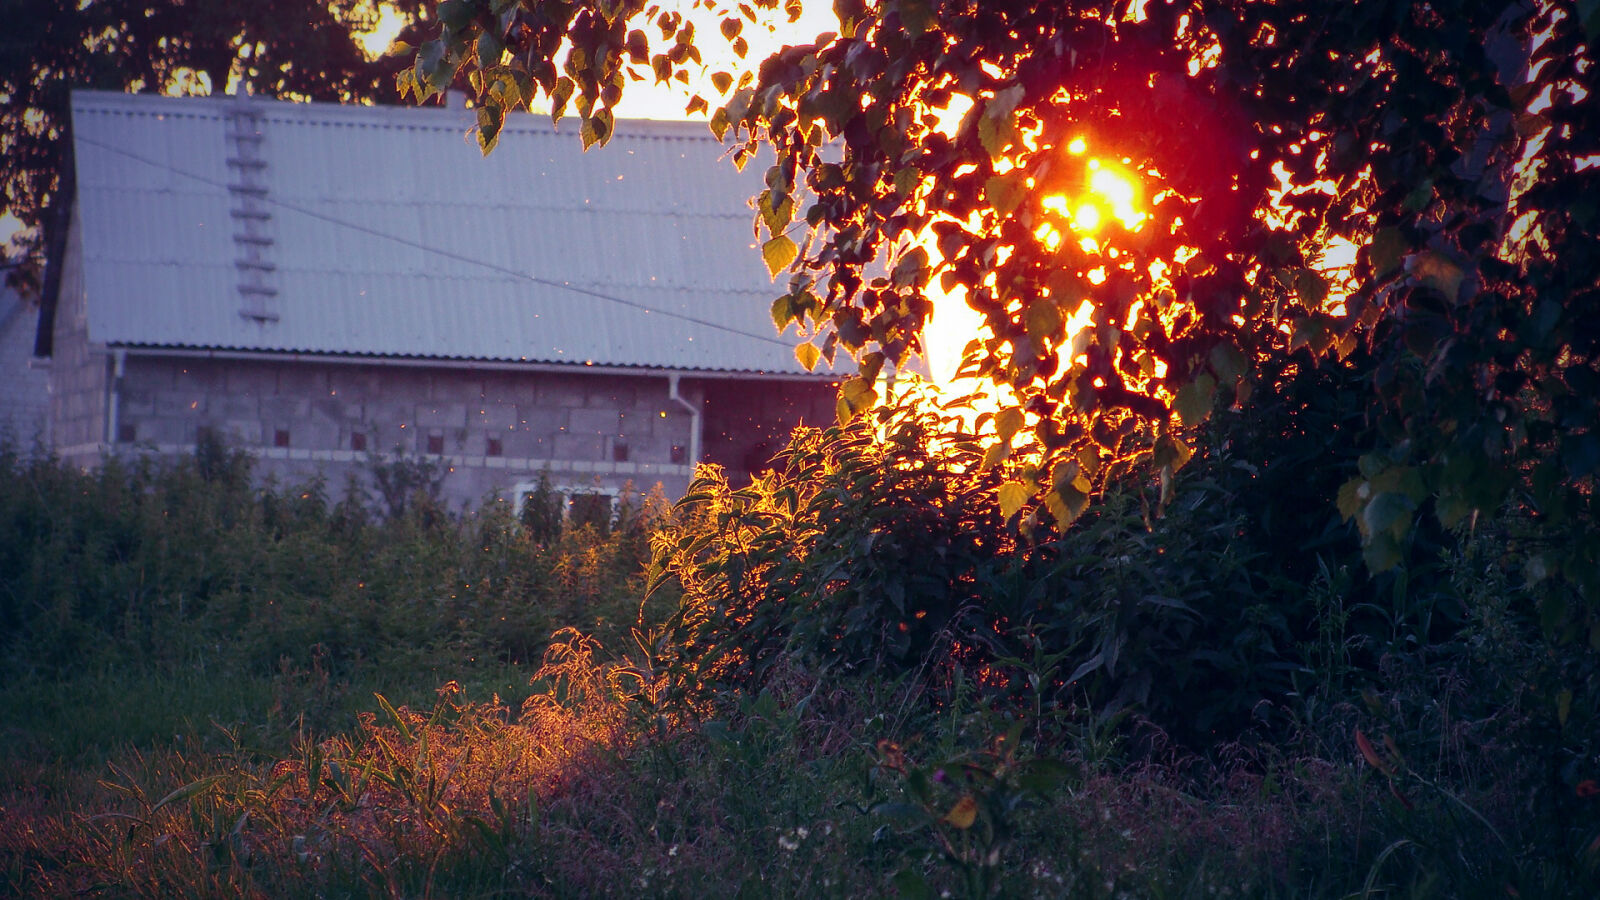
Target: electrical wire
447	254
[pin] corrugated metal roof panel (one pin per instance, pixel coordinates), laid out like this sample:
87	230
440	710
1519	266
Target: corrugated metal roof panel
392	237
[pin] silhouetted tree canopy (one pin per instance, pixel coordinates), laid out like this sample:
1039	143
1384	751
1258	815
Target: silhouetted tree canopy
1449	144
304	49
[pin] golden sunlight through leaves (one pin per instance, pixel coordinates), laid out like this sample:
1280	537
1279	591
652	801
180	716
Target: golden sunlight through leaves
376	42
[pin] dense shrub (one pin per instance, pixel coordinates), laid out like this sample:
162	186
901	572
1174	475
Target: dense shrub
165	563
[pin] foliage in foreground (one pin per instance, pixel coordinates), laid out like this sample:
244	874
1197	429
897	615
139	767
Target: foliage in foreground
143	563
1196	692
844	789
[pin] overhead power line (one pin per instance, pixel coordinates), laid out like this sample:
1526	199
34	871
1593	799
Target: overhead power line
447	254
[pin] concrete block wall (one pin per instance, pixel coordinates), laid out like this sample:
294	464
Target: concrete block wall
25	395
491	430
79	374
744	428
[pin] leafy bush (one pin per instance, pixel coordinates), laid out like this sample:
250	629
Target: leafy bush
851	552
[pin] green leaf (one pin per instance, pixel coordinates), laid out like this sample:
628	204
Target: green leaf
1311	288
1439	272
1013	495
783	313
490	50
915	16
996	135
1068	495
1005	192
778	253
1387	512
433	68
1194	400
1387	249
912	886
1351	497
491	117
1044	320
1228	362
808	355
1381	553
910	271
559	97
1170	453
189	790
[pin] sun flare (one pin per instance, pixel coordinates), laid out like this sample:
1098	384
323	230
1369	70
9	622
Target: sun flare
1109	195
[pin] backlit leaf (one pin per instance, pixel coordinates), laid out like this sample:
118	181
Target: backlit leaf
783	313
964	813
1044	320
856	396
808	355
1013	494
1007	422
778	253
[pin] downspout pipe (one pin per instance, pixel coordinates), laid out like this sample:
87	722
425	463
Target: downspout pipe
694	418
119	364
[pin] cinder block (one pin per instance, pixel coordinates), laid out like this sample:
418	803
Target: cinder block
578	446
390	414
509	387
355	383
541	420
128	405
615	393
594	421
230	406
253	381
180	403
495	416
407	384
148	376
441	415
241	431
329	409
311	434
202	374
456	385
285	409
304	380
560	391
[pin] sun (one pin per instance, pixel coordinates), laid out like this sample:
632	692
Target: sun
1109	195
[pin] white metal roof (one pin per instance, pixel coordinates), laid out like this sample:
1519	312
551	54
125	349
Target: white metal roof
391	236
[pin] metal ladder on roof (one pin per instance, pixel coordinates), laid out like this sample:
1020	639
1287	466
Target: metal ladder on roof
252	217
